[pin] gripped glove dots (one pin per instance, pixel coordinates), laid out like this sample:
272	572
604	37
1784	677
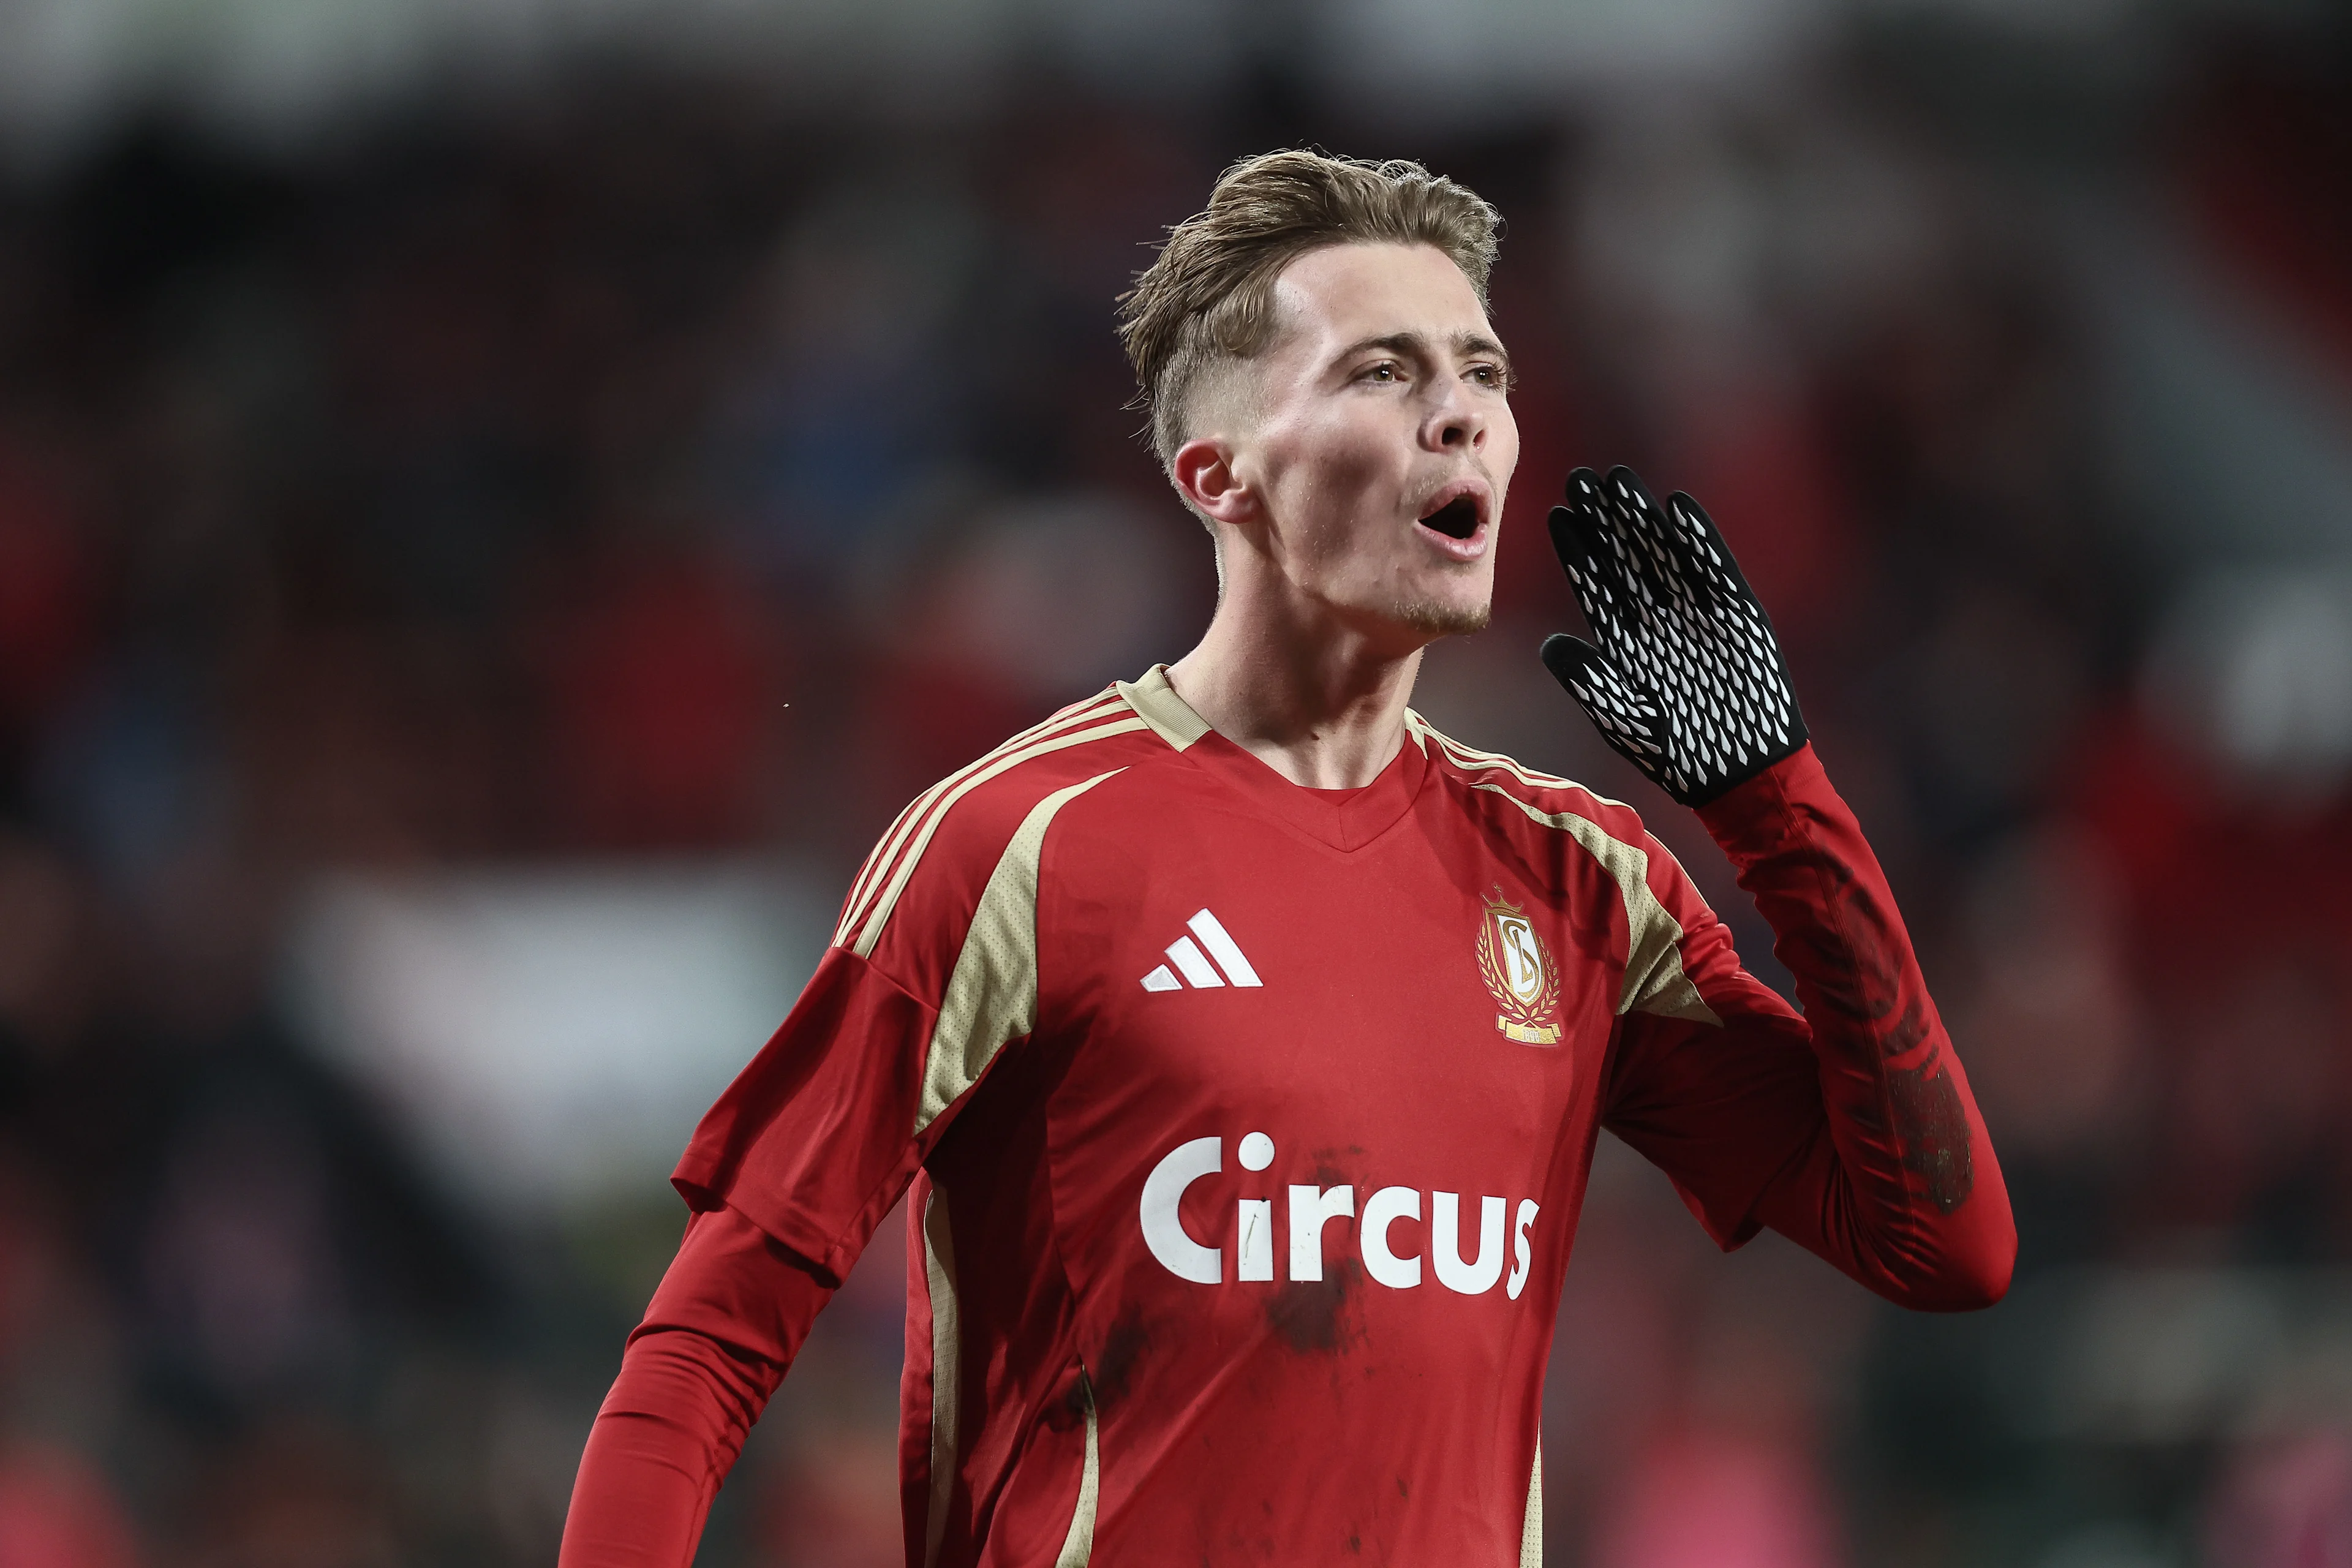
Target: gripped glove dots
1687	684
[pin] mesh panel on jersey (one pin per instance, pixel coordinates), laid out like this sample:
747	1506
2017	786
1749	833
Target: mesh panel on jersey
1531	1525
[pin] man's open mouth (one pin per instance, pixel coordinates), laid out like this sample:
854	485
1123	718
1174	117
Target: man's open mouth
1457	518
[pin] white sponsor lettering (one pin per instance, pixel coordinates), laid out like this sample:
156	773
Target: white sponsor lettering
1519	1247
1163	1195
1387	1206
1309	1214
1256	1228
1445	1244
1310	1208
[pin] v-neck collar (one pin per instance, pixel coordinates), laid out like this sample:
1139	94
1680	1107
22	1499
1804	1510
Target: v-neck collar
1345	825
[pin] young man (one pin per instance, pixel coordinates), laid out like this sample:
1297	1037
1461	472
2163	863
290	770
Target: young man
1244	1040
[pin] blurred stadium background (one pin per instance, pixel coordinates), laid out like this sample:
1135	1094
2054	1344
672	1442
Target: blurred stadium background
500	500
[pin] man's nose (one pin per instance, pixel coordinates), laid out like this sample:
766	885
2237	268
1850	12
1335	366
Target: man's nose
1454	424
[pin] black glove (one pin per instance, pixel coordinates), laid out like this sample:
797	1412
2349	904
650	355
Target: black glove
1687	684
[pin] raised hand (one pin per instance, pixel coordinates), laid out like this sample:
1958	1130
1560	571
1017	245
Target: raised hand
1688	683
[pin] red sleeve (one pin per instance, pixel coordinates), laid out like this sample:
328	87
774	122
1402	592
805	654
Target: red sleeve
788	1175
932	975
1850	1129
725	1322
817	1137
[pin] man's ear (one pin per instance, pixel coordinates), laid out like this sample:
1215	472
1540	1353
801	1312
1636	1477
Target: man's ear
1202	472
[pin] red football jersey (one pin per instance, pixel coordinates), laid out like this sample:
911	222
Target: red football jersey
1248	1125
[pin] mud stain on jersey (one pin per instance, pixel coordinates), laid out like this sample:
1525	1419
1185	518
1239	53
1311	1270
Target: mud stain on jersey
1859	978
1122	1351
1847	959
1328	1170
1935	1129
1235	1547
1067	1412
1310	1316
1908	1031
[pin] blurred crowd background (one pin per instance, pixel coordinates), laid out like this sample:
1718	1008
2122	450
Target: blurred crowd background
500	504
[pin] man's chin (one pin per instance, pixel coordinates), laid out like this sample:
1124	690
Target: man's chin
1437	619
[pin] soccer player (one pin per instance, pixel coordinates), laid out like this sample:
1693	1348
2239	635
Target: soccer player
1239	1041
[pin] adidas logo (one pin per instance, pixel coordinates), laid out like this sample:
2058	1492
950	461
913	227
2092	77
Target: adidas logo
1195	965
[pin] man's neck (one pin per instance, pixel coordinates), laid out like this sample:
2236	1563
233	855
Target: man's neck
1321	706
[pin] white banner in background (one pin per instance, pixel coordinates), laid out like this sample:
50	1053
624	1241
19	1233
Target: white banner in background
551	1036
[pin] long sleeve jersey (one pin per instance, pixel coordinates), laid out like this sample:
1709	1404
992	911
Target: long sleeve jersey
1246	1126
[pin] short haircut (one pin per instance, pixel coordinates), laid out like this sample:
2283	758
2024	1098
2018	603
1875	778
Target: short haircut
1209	295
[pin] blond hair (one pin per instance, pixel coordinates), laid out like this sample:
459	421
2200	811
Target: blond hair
1208	297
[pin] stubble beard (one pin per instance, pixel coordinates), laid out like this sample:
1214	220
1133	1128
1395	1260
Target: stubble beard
1440	620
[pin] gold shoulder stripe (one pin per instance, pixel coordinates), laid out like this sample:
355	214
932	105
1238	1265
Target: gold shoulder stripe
1471	758
871	931
885	853
1078	1546
1170	716
940	1274
992	995
1655	981
1417	728
1475	760
878	858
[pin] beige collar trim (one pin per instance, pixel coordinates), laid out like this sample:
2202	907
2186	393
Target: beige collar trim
1170	716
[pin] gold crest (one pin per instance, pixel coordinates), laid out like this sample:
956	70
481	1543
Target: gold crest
1518	969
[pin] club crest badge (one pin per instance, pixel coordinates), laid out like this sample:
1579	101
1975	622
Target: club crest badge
1518	969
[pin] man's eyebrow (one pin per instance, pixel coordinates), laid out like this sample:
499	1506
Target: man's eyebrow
1466	345
1478	345
1411	344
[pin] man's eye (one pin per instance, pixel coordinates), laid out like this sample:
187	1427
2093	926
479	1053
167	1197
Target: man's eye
1384	371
